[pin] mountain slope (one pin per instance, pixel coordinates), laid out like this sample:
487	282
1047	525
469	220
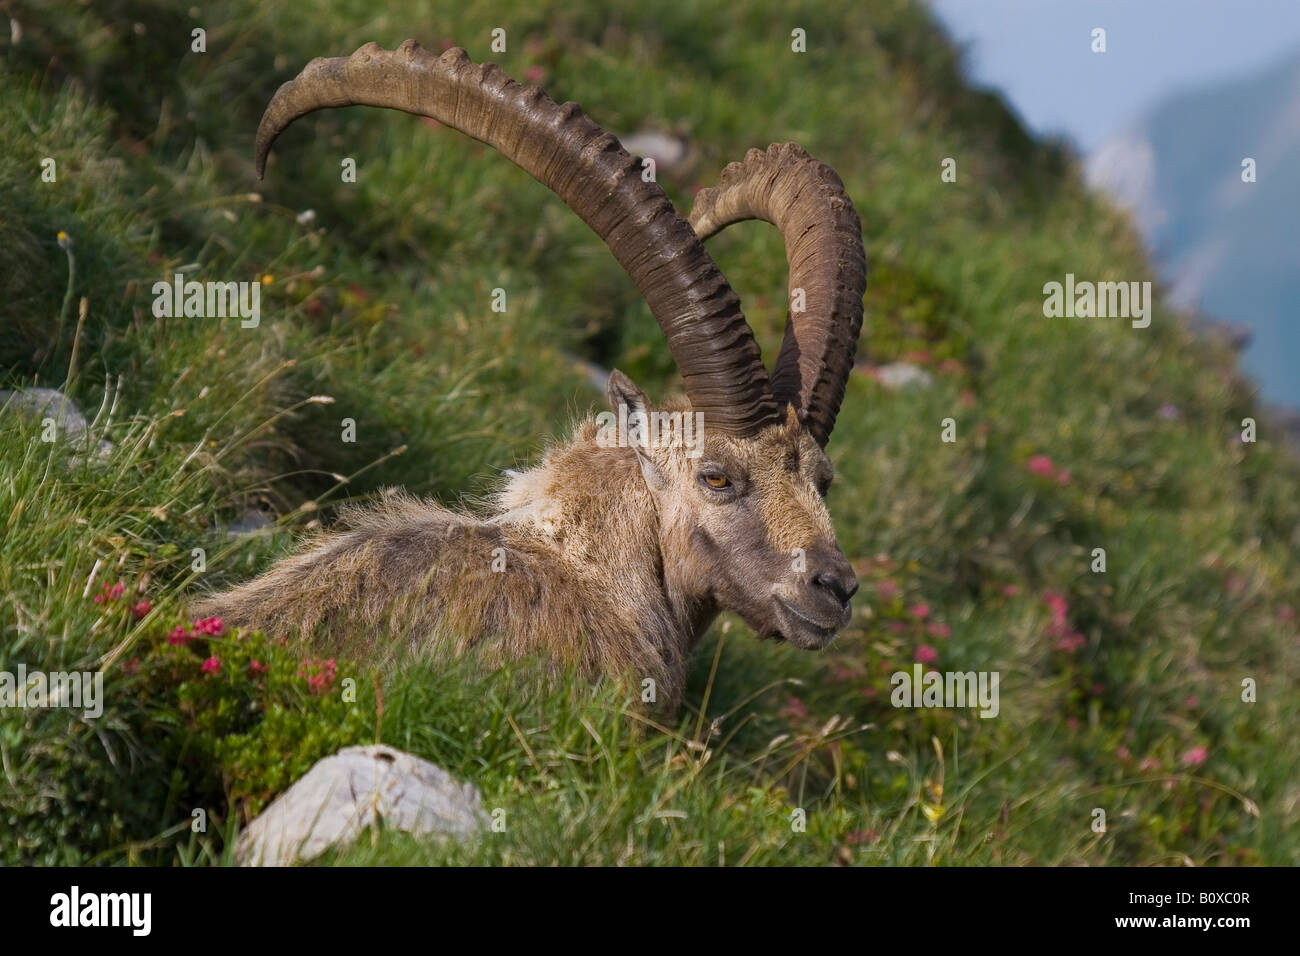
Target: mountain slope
1227	247
1121	689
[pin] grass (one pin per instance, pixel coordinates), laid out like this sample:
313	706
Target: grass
377	308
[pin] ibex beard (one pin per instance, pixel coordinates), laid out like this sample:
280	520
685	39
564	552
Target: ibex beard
612	558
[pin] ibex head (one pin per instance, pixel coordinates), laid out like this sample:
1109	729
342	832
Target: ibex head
742	520
740	513
745	505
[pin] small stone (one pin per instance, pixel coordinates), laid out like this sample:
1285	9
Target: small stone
669	152
252	521
900	375
41	403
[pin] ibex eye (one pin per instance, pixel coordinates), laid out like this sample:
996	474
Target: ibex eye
717	481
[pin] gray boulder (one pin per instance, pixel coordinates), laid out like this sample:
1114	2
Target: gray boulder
345	794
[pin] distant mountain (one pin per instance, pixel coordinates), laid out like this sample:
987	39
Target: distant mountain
1229	249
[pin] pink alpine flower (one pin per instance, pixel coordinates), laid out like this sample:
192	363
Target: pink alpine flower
1195	757
1074	641
926	654
110	592
141	608
1041	466
1056	603
211	666
794	709
319	674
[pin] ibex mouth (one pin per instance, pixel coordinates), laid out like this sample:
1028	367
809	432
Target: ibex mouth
807	629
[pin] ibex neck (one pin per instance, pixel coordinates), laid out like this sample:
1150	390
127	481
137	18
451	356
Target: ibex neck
591	503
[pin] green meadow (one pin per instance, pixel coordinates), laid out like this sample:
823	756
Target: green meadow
1160	690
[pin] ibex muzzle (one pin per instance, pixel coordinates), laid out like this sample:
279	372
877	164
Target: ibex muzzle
612	557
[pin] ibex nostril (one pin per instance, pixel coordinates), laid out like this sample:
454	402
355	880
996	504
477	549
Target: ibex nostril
842	588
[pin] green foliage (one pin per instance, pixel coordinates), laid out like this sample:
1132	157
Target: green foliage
1119	690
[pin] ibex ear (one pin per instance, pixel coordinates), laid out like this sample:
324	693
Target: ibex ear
623	393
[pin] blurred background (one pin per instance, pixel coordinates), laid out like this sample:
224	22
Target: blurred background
1185	90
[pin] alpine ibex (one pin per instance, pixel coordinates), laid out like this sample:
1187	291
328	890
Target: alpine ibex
614	557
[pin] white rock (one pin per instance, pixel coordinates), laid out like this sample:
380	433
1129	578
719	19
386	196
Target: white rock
46	403
668	151
346	793
899	375
42	403
252	521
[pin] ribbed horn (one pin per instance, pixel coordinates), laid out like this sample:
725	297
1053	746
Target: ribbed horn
806	200
585	166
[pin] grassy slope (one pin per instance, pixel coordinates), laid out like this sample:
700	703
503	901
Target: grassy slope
382	303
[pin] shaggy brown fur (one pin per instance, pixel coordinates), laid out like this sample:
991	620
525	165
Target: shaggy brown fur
609	559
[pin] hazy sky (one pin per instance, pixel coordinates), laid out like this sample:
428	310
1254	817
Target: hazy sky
1038	52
